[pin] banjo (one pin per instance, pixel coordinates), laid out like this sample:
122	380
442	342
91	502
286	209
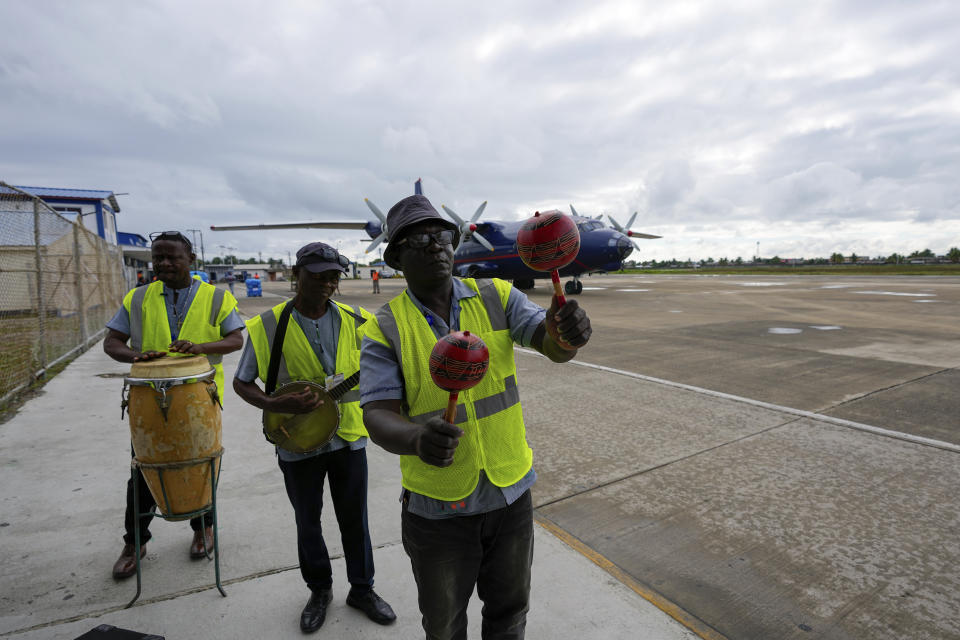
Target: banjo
303	432
306	432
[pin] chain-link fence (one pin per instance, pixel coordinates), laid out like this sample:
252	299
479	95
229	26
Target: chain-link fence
59	284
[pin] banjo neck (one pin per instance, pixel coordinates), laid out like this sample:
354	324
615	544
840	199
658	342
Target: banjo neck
338	391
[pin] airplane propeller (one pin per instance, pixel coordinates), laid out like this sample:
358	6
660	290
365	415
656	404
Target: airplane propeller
599	216
468	229
383	225
625	230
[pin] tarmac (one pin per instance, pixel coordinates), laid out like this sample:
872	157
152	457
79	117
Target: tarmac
728	458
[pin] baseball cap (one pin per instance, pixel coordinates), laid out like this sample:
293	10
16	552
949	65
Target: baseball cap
318	256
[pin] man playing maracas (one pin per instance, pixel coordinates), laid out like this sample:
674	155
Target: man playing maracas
467	515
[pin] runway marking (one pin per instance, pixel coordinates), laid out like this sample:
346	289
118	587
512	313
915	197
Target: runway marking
633	289
928	300
684	617
895	293
762	284
825	327
840	422
784	330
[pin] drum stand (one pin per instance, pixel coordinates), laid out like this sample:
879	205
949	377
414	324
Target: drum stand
135	466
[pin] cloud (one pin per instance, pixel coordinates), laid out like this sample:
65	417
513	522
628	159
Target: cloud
721	125
669	184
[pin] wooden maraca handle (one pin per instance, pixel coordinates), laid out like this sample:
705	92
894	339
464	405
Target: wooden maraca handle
451	412
555	276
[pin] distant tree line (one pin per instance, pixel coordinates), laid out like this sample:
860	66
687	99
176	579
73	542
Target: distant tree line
926	255
231	259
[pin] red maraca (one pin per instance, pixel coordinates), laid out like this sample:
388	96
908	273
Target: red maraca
548	241
458	361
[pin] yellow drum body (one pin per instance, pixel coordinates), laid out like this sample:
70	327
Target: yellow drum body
175	428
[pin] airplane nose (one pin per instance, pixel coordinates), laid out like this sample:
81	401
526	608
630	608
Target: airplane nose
624	247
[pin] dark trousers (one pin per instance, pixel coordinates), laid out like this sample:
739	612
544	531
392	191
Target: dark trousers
147	503
347	471
493	551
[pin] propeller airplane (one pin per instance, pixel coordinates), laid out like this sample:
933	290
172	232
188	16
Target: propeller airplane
488	249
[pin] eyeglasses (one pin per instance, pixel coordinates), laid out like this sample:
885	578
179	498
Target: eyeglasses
330	255
170	235
422	240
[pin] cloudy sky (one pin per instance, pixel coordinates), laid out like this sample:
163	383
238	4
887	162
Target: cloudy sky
809	127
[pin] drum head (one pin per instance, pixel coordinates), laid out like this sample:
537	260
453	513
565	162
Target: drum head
305	432
171	366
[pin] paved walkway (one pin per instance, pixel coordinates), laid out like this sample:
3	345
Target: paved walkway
63	468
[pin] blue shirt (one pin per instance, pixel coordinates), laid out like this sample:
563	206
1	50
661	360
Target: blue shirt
323	335
381	378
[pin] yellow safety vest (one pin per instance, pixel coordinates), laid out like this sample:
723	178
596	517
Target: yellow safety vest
300	363
490	415
150	329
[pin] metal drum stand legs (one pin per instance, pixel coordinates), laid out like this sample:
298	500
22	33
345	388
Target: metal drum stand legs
135	466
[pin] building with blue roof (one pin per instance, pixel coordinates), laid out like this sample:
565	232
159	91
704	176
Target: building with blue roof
97	209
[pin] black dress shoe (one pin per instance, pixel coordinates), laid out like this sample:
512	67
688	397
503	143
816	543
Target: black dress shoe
197	548
373	605
126	564
316	611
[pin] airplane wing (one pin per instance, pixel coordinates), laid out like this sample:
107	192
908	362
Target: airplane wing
637	234
293	225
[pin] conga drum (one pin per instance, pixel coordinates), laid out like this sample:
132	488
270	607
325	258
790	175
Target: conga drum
175	429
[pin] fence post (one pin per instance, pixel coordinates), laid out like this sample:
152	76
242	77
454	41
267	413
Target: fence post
41	303
78	271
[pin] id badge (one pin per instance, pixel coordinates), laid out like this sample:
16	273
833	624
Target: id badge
333	381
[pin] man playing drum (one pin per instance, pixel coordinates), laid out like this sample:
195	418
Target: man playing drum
467	515
179	314
321	341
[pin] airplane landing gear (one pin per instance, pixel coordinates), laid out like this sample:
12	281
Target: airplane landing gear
572	287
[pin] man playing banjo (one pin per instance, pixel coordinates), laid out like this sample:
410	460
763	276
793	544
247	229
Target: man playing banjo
313	339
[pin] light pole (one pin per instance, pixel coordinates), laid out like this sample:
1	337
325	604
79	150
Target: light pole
223	246
203	258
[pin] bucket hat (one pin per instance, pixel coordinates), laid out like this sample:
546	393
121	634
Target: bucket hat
405	214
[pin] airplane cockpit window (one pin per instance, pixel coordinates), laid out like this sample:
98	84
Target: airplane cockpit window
590	225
